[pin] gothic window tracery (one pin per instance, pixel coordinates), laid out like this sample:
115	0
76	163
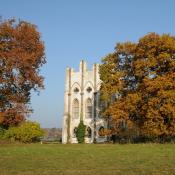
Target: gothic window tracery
76	90
89	89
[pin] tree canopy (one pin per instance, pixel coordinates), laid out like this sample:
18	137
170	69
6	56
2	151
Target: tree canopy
138	85
21	56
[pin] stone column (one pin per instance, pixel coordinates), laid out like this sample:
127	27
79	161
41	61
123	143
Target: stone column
95	100
69	105
82	70
66	109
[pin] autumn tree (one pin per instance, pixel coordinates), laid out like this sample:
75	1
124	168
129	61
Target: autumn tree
21	56
145	90
154	67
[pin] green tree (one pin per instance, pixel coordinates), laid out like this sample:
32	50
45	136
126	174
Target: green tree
81	132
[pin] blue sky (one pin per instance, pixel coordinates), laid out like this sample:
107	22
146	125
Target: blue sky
77	29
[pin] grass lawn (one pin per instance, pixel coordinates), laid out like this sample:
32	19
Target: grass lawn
155	159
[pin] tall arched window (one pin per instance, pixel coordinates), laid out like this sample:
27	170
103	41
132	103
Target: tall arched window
101	131
88	132
75	132
75	109
89	108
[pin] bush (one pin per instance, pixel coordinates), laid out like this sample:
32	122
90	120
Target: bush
81	132
27	132
2	130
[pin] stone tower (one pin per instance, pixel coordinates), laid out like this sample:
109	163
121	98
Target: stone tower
81	102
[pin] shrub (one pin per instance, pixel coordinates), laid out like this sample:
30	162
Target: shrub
27	132
2	130
81	132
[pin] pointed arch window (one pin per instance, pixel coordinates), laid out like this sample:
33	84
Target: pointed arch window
88	132
101	131
89	108
75	132
75	109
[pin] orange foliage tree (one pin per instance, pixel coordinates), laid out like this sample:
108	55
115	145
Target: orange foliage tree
141	78
21	56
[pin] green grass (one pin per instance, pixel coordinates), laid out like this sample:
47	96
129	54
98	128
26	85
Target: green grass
138	159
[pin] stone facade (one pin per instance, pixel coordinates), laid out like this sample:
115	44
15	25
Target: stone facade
81	102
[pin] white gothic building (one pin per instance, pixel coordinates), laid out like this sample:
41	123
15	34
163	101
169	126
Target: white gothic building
81	102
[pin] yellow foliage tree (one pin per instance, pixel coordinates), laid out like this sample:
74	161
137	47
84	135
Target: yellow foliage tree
141	77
